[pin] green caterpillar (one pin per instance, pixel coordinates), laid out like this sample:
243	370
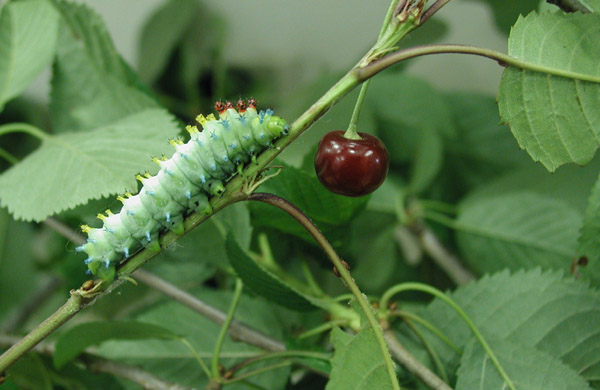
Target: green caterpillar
197	171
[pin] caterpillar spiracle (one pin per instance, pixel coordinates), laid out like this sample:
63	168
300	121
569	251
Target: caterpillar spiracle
185	182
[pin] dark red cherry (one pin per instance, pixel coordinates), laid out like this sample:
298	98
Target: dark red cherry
351	167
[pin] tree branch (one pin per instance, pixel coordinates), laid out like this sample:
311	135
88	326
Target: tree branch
237	331
100	365
435	7
413	365
570	6
442	257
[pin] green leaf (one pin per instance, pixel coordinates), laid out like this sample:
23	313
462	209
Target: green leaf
357	363
19	275
506	11
71	168
399	99
516	230
171	361
330	212
374	248
411	134
547	311
91	85
527	368
555	119
27	42
592	5
160	35
483	148
75	340
589	239
29	372
428	160
265	283
571	184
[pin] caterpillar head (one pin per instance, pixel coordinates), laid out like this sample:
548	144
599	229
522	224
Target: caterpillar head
277	126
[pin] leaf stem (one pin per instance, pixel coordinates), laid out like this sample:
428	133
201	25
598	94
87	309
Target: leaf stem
344	273
323	328
237	293
413	317
439	294
503	59
4	154
276	355
189	346
20	127
258	371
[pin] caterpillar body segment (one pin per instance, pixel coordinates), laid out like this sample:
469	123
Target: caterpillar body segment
185	182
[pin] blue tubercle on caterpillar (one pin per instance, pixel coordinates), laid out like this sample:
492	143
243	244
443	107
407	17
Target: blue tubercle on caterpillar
185	182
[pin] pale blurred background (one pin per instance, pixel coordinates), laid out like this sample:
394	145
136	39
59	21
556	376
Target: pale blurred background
309	37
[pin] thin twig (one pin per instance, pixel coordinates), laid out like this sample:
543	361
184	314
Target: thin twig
435	7
413	365
100	365
570	6
31	304
64	230
237	331
443	258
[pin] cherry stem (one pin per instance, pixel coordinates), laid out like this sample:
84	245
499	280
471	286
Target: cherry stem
351	132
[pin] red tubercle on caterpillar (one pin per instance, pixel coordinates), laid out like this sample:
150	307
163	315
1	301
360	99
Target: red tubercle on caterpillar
252	103
220	107
228	105
241	106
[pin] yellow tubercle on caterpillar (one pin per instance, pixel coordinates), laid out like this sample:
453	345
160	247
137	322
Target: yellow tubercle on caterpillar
108	212
141	178
85	228
192	129
201	119
124	197
101	216
175	142
147	175
156	160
